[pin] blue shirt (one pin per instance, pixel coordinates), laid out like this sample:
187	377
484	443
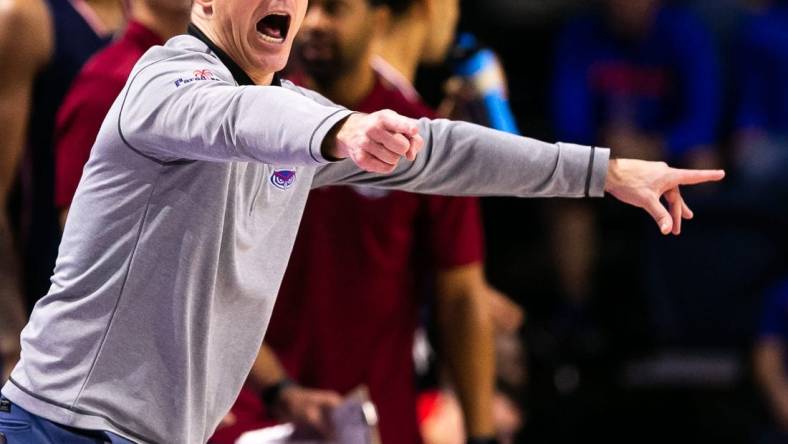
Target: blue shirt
665	83
763	72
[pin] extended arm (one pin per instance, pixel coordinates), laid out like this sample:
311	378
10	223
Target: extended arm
465	159
458	158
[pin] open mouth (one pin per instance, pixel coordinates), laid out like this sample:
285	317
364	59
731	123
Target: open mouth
273	27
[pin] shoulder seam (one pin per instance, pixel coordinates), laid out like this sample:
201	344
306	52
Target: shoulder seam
123	104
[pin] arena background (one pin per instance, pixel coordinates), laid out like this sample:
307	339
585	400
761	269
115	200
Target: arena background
663	352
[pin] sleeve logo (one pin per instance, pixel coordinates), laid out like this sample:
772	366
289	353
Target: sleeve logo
197	75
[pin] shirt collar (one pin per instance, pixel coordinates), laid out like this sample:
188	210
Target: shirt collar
238	74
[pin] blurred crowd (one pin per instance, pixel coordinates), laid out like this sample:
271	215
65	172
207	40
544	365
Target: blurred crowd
475	320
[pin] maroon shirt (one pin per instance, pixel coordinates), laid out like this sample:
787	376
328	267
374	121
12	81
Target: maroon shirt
349	304
87	103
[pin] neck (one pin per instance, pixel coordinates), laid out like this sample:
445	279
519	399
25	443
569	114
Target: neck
350	88
397	46
263	79
258	78
164	23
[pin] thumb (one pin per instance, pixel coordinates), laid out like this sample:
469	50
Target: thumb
416	144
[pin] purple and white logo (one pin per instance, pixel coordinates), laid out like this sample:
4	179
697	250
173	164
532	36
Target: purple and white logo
283	179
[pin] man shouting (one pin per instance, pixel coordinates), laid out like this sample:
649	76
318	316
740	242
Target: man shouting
183	222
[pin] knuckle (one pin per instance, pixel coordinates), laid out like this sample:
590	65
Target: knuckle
369	132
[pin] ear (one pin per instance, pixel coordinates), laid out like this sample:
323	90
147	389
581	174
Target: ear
203	8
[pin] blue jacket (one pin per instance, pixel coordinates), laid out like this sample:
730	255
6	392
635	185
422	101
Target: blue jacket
665	84
763	72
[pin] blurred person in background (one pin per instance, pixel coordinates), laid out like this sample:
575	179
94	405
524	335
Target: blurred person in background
43	44
641	76
761	148
151	22
771	361
422	34
761	160
332	334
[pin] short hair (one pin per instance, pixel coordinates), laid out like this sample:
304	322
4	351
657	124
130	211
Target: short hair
397	7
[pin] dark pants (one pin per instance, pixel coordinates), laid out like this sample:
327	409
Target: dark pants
18	426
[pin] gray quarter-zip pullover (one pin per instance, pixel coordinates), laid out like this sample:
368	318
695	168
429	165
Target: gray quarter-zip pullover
182	226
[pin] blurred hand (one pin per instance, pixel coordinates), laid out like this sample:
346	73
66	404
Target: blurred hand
507	316
508	418
377	142
643	184
308	407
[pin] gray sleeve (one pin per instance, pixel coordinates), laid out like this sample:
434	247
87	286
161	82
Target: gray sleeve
466	159
189	107
314	95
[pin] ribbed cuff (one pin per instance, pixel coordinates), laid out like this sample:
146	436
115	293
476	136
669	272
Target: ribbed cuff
598	172
322	130
584	169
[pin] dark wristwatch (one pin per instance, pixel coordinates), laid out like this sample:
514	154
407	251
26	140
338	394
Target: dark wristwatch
271	394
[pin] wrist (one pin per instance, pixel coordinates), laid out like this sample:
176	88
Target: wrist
332	148
329	148
612	174
272	395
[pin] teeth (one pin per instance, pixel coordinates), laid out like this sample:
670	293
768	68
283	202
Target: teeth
270	39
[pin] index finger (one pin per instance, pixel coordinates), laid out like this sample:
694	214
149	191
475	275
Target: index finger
401	124
694	177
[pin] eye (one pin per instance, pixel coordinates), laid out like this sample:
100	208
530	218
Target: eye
335	8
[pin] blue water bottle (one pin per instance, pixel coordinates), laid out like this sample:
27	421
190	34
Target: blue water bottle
479	67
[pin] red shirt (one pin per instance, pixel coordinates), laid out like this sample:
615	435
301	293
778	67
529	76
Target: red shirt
349	306
87	103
